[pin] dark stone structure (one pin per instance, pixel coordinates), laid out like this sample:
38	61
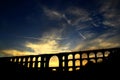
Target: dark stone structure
83	65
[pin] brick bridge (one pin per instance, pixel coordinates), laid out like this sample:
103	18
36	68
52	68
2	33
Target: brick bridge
71	61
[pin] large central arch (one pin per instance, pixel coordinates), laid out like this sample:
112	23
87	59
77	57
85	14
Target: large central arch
54	61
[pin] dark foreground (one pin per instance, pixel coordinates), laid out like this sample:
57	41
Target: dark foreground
105	70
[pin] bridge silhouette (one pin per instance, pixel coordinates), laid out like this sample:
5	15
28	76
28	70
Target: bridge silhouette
88	64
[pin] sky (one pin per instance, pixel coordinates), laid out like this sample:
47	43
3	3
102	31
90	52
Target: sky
32	27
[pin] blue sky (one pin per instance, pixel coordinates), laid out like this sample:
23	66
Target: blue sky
31	27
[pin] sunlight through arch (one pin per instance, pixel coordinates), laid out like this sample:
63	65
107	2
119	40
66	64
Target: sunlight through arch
39	58
70	56
77	56
70	63
99	60
19	59
77	63
93	60
34	58
54	61
84	55
92	55
84	62
106	54
99	54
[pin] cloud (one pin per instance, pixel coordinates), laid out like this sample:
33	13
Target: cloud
112	18
108	38
52	14
49	44
82	36
105	40
109	4
56	15
111	13
14	52
80	15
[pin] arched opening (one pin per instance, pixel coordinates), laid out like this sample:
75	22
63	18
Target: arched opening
15	59
39	58
70	69
44	64
34	58
99	54
54	61
23	64
63	64
70	63
11	59
84	55
29	59
106	54
23	59
28	65
70	56
63	58
99	60
84	62
78	68
77	63
33	64
91	55
93	60
44	59
19	60
77	56
53	69
39	64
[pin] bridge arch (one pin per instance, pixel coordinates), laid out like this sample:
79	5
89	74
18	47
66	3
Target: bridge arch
99	54
106	53
54	61
70	56
77	56
92	55
84	55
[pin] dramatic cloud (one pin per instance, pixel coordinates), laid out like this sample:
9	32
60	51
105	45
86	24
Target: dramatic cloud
103	41
50	43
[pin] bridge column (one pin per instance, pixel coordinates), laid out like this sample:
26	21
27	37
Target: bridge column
60	63
80	60
47	62
31	63
73	62
95	57
66	62
103	52
26	61
42	62
36	62
88	58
